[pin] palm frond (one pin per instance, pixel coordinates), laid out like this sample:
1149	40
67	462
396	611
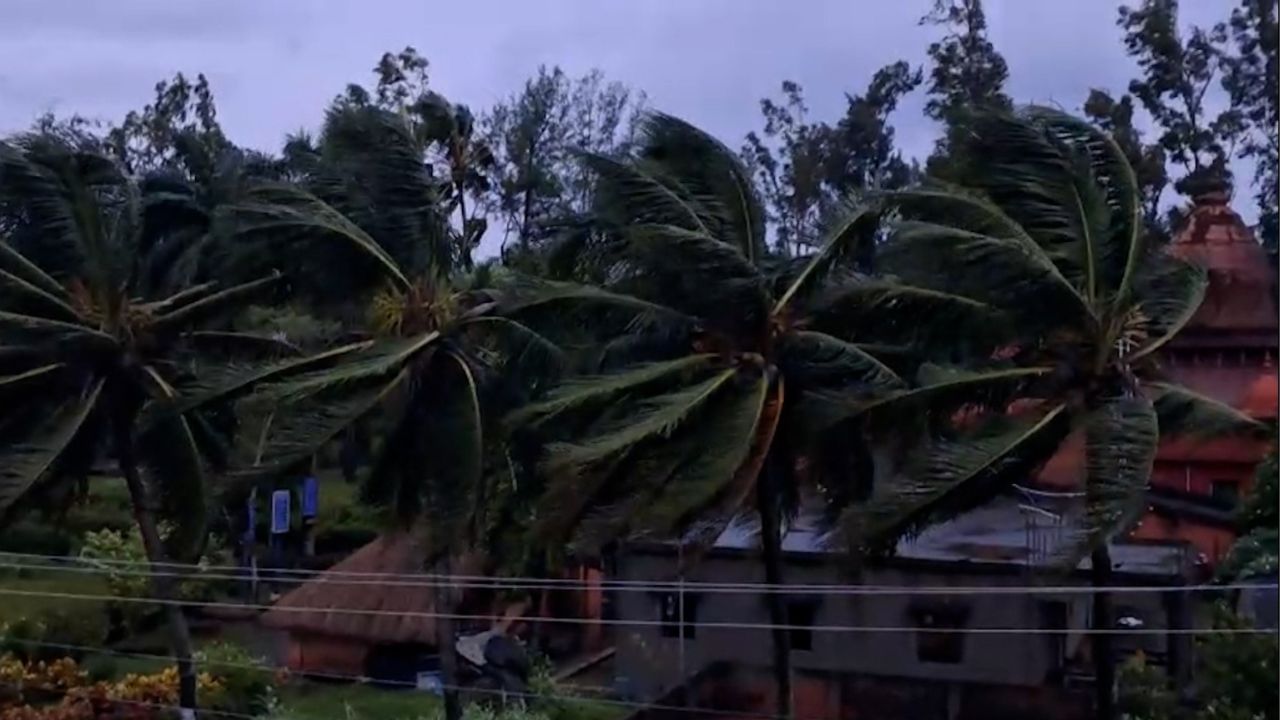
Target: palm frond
524	354
938	389
298	430
16	263
1167	291
18	294
217	304
171	460
594	390
699	275
714	175
1047	184
23	464
1121	436
231	381
627	193
1184	413
842	237
816	359
1006	273
651	419
371	363
286	211
25	328
236	343
707	490
955	476
19	381
928	319
1122	244
178	299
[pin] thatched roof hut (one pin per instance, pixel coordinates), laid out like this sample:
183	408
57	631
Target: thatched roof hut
335	618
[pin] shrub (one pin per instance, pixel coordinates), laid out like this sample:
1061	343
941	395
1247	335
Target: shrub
247	688
38	638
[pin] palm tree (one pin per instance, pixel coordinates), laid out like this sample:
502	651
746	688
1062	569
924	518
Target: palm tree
713	397
1047	231
93	357
436	356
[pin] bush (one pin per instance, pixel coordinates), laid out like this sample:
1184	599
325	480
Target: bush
38	638
246	689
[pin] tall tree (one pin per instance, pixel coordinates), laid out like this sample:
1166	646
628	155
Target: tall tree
861	153
437	357
1249	75
1177	74
710	392
789	162
804	168
1052	239
534	134
967	74
94	355
183	113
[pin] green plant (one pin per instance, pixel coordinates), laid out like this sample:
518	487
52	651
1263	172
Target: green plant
248	686
1144	692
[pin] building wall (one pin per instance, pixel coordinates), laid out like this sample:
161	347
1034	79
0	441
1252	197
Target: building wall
324	654
1208	540
652	664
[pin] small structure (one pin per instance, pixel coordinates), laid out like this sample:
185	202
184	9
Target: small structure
347	622
878	646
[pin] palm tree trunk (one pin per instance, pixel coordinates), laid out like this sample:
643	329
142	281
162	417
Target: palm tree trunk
1104	662
163	586
771	545
446	641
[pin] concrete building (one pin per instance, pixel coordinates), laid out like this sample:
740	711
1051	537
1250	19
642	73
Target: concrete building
881	647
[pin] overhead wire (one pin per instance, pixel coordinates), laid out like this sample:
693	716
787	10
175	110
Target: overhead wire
638	622
337	577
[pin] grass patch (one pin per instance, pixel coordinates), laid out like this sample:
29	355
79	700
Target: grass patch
17	607
325	701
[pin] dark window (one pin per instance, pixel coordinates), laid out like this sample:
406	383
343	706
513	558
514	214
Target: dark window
800	616
669	610
1226	492
1053	617
938	637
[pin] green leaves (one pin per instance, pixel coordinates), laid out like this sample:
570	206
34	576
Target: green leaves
594	390
1006	273
1120	446
1183	413
955	475
25	462
278	210
651	418
713	175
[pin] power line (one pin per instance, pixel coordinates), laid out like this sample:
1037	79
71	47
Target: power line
195	571
645	623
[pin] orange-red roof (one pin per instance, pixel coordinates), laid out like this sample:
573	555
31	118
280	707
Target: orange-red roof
1239	296
1261	399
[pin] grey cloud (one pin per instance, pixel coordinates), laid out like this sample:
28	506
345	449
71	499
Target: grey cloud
275	63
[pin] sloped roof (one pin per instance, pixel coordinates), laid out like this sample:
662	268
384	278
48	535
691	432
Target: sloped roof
348	606
1240	296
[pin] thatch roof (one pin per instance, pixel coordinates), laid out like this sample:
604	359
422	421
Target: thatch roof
322	605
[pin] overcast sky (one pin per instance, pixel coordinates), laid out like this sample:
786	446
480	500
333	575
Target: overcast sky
274	64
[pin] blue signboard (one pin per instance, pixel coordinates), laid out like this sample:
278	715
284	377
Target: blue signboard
310	497
279	512
251	512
